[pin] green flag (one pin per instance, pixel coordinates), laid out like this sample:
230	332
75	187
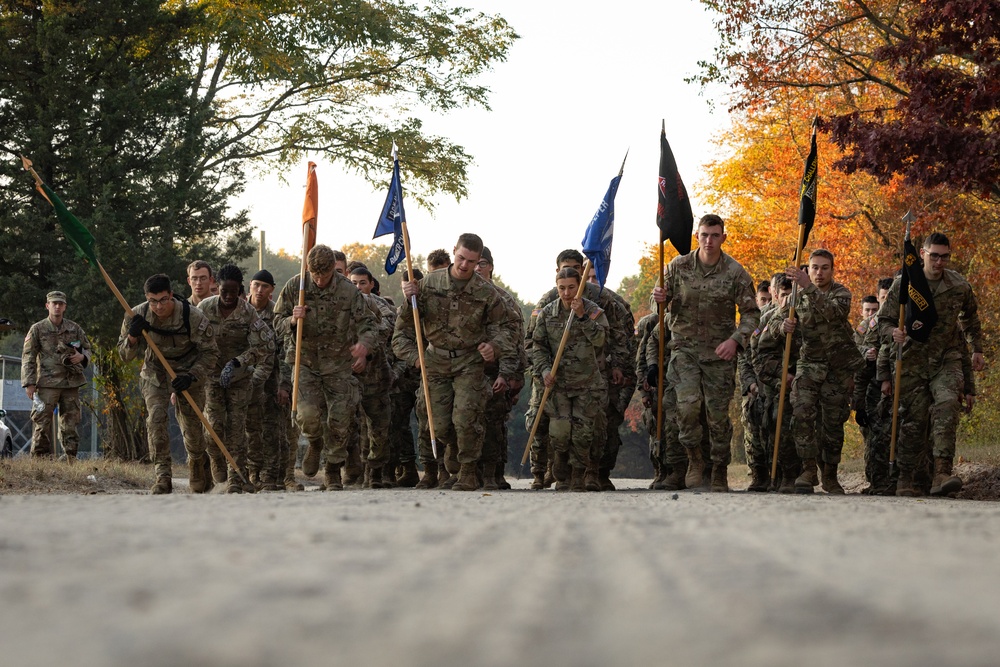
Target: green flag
73	229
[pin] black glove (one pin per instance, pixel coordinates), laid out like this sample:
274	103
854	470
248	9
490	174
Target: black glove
182	382
861	417
653	375
137	326
226	376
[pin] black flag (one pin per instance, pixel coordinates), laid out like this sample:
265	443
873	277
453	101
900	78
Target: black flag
807	195
673	207
921	315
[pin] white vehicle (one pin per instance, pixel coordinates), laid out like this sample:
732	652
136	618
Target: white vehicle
6	440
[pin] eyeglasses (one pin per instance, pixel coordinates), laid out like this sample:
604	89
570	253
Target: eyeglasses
483	263
160	302
934	257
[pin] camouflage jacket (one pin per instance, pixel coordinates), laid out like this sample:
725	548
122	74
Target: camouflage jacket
643	330
46	353
377	373
189	349
744	360
616	349
454	317
242	336
958	319
264	371
703	303
578	366
516	363
652	351
827	335
337	318
767	348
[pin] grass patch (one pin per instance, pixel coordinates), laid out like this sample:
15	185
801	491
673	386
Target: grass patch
25	475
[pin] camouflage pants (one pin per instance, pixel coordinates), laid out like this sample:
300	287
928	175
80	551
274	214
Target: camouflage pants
618	400
540	446
400	435
767	414
157	398
226	411
703	389
821	404
459	392
326	408
671	452
375	407
443	441
68	401
495	436
929	408
266	429
573	420
878	436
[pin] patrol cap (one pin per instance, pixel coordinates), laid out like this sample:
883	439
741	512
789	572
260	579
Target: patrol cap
55	296
263	276
487	255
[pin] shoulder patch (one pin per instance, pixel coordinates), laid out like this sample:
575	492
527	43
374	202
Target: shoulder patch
536	312
595	313
203	324
257	324
27	337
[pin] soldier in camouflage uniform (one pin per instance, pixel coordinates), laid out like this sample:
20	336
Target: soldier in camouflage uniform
507	377
375	382
338	337
933	385
752	404
704	289
767	352
870	407
578	389
824	375
186	339
616	362
246	349
403	398
465	325
643	329
56	351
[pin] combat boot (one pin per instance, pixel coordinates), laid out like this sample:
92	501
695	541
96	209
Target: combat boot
604	479
593	480
331	477
696	467
410	476
805	482
502	482
388	477
163	485
720	478
449	482
268	483
944	482
830	482
537	480
759	479
310	462
374	477
674	481
658	476
905	485
788	475
196	474
292	484
255	479
466	478
490	479
430	478
560	467
220	472
576	480
234	484
549	478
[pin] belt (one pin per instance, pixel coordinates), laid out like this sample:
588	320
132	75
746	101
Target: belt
451	354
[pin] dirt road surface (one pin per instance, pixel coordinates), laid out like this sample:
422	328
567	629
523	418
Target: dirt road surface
509	578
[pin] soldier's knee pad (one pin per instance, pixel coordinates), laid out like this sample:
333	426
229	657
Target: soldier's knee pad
560	431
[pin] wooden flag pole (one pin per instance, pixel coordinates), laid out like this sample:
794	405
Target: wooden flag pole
420	343
899	361
300	325
661	375
152	346
786	361
555	365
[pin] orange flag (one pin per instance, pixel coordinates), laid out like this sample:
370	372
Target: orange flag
309	211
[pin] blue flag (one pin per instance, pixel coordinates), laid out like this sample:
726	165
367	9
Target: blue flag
392	218
600	232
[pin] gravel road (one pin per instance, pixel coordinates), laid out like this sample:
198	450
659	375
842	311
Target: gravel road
509	578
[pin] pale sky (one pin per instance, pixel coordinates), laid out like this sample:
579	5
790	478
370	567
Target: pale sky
579	89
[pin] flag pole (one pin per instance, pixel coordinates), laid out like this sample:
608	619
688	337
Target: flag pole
149	341
660	313
908	218
308	235
555	365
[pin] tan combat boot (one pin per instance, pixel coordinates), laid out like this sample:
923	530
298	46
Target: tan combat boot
466	478
220	469
805	482
576	480
374	476
593	480
549	478
674	480
410	476
720	478
759	479
905	486
696	467
163	485
490	478
196	474
267	482
537	480
310	462
830	482
788	475
430	478
944	481
292	484
331	477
